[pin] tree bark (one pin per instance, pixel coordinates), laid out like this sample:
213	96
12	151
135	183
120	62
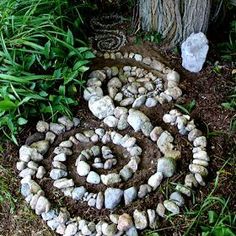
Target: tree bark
175	20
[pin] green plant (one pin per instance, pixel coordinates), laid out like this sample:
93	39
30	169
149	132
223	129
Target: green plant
153	37
187	108
228	49
42	62
6	197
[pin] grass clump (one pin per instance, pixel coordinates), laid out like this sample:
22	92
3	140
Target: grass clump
42	62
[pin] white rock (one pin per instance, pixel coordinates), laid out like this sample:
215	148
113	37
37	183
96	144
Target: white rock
93	178
42	126
83	168
42	205
151	102
174	92
173	76
101	107
136	119
155	134
119	111
198	169
139	101
202	155
194	52
111	178
140	219
20	165
138	57
171	206
111	121
155	180
200	141
63	183
41	172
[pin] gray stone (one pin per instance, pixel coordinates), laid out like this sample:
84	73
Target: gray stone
27	172
132	232
42	205
101	107
82	138
177	198
126	173
152	218
76	121
139	101
63	183
93	178
202	155
127	101
83	168
198	169
155	180
67	144
190	181
114	71
99	74
164	140
200	142
155	133
32	165
57	174
133	163
49	215
130	195
57	128
171	206
144	189
151	102
42	126
194	134
109	229
140	219
50	136
92	91
167	166
168	118
64	120
113	197
94	82
60	157
92	202
41	146
111	178
59	150
200	179
173	76
99	201
59	165
147	128
138	57
111	121
34	138
136	119
20	165
71	229
194	52
122	123
200	162
174	92
160	210
125	222
183	189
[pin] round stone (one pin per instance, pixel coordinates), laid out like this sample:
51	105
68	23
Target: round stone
42	126
167	166
83	168
93	178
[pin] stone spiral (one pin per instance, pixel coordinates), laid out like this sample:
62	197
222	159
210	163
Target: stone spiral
91	164
106	37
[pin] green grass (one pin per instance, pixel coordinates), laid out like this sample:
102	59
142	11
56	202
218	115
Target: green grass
42	62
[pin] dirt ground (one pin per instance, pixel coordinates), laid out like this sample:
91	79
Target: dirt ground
207	88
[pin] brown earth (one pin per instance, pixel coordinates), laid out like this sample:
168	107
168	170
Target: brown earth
207	88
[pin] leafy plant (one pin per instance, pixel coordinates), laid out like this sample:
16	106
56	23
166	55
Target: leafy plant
153	37
42	62
187	108
228	49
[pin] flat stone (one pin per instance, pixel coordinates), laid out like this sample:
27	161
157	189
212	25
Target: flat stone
155	180
194	52
34	138
101	107
140	219
130	195
113	197
167	166
171	206
93	178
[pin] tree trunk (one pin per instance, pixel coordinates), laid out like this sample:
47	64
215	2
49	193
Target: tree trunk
175	20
